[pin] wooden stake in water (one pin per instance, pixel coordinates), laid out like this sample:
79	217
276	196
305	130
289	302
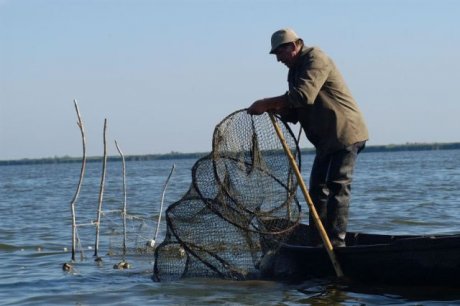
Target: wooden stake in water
101	192
82	174
124	198
152	242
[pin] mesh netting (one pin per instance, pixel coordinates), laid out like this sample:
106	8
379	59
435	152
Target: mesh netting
119	239
241	204
135	240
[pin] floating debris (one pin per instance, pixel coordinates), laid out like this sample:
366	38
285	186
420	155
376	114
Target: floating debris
67	267
150	243
122	265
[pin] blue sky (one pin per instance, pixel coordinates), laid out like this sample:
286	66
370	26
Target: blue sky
164	73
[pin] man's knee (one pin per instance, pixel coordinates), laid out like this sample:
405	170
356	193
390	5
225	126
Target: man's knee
339	188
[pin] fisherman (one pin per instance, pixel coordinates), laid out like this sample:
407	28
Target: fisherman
320	100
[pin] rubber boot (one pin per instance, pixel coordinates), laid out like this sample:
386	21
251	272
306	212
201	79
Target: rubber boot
337	213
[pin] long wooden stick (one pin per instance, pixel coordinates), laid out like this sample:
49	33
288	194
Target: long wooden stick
82	174
101	191
152	242
124	197
318	223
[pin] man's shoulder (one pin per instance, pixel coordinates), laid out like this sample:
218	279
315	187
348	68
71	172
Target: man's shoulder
314	55
314	52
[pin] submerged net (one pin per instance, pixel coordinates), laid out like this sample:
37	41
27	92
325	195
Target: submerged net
132	238
241	204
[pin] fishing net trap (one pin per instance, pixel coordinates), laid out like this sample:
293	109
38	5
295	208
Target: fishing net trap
241	204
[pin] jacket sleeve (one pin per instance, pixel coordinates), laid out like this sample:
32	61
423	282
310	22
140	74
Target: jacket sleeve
308	78
289	115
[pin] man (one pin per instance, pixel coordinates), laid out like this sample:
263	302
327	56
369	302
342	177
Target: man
319	99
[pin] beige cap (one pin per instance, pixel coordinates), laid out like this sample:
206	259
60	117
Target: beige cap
283	36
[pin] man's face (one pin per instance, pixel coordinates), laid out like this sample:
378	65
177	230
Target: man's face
286	54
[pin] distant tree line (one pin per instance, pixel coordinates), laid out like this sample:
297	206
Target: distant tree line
178	155
67	159
414	147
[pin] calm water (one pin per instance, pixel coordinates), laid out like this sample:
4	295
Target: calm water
397	192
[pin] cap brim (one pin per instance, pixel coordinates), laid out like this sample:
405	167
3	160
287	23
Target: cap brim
273	50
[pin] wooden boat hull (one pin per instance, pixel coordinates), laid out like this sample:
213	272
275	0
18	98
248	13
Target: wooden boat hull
396	260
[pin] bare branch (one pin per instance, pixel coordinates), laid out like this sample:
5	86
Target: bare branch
124	198
152	242
82	173
101	191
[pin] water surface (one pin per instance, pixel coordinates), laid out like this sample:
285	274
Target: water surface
393	193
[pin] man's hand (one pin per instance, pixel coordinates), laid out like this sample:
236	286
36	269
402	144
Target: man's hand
259	107
274	104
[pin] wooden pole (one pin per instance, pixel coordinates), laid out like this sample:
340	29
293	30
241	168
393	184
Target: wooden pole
303	187
152	242
101	191
82	174
124	198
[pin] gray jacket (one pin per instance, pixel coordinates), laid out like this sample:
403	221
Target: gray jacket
320	100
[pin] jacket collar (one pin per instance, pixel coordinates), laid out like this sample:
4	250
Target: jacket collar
305	50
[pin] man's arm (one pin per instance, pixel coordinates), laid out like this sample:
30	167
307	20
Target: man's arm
273	104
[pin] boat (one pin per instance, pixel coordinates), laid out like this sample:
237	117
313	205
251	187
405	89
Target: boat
370	258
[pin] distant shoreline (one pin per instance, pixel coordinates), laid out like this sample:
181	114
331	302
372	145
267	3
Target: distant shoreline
178	155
